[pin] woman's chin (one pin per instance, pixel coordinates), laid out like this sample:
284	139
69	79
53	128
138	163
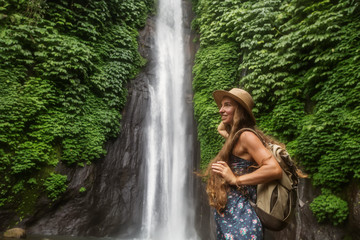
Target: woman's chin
225	122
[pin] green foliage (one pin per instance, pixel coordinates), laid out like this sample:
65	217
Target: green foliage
55	185
82	189
330	208
64	67
300	61
215	68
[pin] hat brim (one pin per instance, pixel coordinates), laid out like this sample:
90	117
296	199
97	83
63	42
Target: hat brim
220	94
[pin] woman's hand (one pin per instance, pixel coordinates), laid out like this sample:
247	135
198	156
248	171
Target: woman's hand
224	170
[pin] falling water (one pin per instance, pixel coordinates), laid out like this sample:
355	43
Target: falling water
168	205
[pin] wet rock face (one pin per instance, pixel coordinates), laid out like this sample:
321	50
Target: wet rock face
112	201
307	226
354	210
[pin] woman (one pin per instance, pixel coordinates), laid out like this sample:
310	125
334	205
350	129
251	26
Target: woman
242	163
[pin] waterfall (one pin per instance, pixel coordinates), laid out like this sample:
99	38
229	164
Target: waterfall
168	203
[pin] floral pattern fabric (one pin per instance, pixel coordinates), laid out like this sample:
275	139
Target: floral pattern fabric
238	221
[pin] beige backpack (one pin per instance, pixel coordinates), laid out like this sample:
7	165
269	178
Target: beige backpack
276	200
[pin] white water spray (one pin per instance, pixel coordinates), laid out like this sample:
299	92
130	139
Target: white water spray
168	204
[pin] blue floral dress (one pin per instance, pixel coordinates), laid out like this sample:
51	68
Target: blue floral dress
238	221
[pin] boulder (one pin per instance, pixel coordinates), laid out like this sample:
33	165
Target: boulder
15	233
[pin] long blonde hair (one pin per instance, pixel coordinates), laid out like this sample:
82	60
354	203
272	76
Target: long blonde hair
217	187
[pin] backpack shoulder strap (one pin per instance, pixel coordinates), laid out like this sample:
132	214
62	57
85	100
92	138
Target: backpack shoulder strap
238	133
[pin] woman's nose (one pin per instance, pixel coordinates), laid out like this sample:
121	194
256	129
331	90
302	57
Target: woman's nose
221	110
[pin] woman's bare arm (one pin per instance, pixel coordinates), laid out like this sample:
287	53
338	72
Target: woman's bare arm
251	145
269	168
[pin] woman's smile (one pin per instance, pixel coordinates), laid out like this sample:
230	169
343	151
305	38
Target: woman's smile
227	110
223	117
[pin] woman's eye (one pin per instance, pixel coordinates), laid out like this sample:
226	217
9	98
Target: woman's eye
226	104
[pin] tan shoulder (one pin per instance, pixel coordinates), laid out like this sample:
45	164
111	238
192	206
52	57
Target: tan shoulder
247	135
248	138
246	143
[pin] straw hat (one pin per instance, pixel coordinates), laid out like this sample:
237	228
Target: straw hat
239	95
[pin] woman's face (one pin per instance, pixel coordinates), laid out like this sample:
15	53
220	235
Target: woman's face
227	110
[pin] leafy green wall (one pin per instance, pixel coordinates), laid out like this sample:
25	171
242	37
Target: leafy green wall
64	66
300	60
